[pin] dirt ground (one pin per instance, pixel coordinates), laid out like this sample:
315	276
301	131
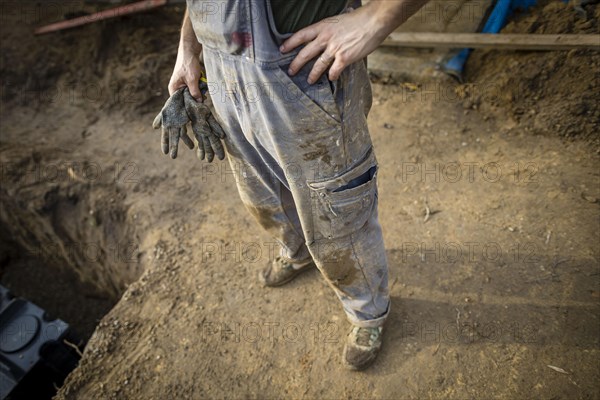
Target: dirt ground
495	290
553	90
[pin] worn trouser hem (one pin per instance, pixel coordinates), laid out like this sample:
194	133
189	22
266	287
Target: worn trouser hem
369	323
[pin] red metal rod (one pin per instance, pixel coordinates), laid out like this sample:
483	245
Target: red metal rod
106	14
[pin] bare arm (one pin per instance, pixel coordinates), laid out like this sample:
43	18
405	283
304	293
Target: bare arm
187	67
342	40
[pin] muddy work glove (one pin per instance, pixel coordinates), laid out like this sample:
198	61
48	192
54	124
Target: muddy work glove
173	119
207	130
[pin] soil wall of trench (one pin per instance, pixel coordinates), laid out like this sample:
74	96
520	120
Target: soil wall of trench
68	216
64	198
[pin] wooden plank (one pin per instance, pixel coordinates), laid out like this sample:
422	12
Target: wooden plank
132	8
502	41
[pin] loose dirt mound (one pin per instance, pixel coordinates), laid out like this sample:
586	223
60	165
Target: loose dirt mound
116	63
545	92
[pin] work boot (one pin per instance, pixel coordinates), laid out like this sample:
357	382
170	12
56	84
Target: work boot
280	271
362	347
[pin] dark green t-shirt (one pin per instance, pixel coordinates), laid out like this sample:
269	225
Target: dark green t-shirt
293	15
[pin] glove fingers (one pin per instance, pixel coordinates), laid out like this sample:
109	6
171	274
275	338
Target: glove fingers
186	139
210	154
171	118
191	105
157	121
201	131
200	127
196	128
164	141
200	152
217	146
174	141
216	127
173	112
206	129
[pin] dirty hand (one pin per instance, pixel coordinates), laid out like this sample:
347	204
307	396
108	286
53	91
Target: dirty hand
337	42
346	38
173	119
207	130
187	71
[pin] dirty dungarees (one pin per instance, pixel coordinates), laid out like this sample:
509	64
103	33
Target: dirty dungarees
294	148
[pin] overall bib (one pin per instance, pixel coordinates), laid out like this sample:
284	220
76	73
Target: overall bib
301	154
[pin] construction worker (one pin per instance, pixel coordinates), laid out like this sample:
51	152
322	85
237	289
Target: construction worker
291	95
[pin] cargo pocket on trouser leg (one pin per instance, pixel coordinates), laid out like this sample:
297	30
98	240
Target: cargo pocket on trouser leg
343	204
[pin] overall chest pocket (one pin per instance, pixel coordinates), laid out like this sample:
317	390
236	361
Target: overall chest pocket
344	204
223	24
318	99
